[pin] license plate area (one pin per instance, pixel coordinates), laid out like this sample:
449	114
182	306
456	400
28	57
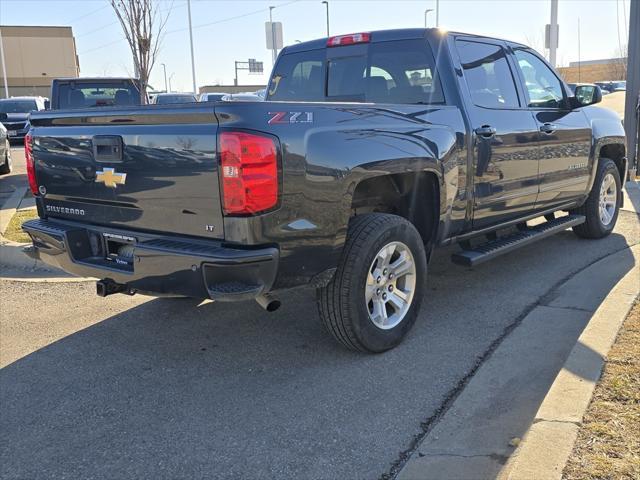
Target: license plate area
12	133
103	250
118	250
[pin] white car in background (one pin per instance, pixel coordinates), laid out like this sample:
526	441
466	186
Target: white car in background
212	96
242	97
167	98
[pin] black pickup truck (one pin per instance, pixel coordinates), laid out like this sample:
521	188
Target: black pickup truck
371	150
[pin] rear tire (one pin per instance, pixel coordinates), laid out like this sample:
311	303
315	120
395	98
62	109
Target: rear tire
6	166
603	203
384	256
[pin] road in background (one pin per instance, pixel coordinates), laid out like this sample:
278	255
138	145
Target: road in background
614	101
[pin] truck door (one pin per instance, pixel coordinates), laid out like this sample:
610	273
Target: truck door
564	134
505	155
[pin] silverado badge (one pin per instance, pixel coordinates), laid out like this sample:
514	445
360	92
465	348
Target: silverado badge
110	177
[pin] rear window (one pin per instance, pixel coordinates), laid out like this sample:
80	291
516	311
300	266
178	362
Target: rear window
166	99
87	95
388	72
17	106
212	97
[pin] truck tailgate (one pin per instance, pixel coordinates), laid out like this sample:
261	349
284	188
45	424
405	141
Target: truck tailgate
149	168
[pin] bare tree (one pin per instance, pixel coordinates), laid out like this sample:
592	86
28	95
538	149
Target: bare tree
619	64
536	41
143	26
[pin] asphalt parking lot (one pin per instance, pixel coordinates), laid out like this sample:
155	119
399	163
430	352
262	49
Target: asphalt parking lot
128	387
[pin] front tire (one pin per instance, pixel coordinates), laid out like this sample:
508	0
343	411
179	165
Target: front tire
603	203
375	295
6	166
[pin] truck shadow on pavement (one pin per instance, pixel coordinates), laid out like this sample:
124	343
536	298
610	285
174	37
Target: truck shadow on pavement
173	389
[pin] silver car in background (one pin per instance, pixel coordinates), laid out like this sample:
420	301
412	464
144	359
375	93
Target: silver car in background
5	151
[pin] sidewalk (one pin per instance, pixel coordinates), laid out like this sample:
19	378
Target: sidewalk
13	262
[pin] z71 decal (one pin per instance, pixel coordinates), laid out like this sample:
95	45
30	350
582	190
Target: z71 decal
290	117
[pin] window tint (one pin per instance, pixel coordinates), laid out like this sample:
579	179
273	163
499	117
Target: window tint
102	94
298	77
17	106
347	78
167	99
413	77
543	87
389	72
488	75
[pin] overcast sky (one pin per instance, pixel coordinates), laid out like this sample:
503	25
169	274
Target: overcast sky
225	31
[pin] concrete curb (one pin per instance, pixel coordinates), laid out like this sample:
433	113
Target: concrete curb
544	451
479	433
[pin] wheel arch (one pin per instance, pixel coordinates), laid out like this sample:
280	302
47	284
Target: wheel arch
417	196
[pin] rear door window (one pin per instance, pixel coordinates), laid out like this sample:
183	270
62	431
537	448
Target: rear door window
487	74
400	72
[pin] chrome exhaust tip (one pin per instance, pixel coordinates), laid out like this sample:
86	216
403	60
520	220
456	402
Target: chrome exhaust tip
269	302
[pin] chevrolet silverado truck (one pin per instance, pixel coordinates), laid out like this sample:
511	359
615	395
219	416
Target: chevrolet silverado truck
370	151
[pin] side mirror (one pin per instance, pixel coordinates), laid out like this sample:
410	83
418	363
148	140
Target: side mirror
47	105
587	95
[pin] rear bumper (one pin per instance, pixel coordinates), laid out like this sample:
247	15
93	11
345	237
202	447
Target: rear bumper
156	264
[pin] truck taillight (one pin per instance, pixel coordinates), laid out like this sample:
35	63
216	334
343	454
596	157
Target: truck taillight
350	39
28	159
249	172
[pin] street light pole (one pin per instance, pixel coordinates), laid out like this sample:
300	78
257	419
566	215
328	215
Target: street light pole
164	67
553	33
193	64
170	77
326	4
425	16
437	13
4	68
273	37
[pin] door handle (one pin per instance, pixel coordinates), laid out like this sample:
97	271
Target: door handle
485	131
548	128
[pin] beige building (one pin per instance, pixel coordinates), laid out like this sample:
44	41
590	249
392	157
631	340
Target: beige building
230	88
590	71
36	55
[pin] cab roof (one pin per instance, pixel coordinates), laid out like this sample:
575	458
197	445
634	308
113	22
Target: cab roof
389	35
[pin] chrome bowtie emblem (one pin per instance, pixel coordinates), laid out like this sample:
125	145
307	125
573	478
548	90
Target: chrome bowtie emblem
110	177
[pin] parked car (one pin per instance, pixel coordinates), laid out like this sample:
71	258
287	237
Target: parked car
211	96
613	86
242	97
72	93
371	150
5	151
166	98
14	114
